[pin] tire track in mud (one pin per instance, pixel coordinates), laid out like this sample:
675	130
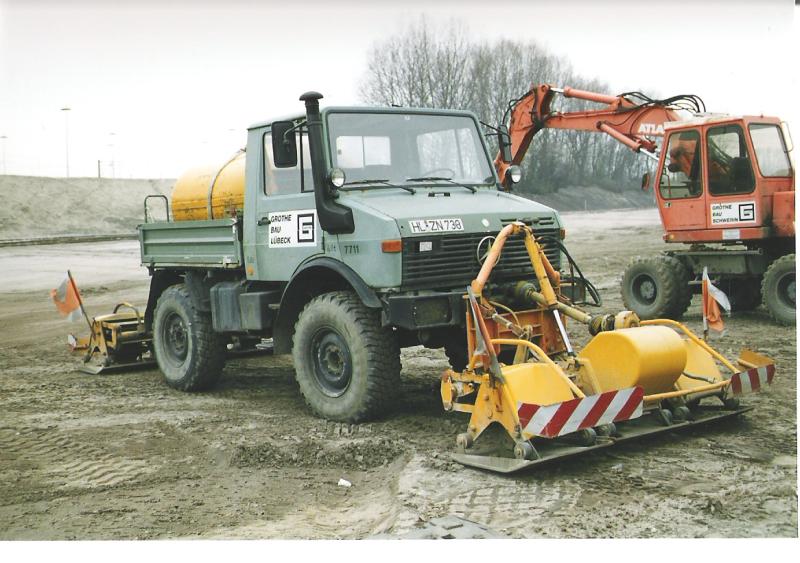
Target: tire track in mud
52	460
504	504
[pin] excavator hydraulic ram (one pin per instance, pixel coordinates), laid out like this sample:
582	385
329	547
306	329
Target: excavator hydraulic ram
632	379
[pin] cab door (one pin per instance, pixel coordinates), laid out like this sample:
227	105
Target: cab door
287	229
732	203
681	186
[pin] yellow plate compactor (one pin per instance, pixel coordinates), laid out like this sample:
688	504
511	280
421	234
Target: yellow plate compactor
633	378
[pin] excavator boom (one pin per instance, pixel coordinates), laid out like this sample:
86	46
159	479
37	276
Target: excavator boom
632	118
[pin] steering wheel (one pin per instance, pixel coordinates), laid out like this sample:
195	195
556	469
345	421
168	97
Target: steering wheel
433	172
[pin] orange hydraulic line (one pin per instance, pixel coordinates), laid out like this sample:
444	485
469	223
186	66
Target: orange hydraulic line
491	258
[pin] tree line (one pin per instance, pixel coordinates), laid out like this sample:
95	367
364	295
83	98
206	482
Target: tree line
441	68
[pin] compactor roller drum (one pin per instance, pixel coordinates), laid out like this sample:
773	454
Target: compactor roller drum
190	354
656	287
778	289
347	365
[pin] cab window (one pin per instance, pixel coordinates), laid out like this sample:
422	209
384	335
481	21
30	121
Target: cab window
770	150
729	168
682	176
282	181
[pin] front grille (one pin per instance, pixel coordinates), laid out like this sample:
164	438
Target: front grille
452	260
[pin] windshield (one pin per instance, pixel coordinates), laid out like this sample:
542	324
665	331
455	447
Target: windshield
408	148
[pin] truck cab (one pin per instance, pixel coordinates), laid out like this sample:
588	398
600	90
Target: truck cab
357	234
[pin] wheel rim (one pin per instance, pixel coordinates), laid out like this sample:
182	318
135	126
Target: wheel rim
786	290
175	338
645	289
333	365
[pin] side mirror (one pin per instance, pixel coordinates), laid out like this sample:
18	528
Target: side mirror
284	144
645	180
504	140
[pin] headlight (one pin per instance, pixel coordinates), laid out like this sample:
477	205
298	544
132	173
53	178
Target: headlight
514	173
336	176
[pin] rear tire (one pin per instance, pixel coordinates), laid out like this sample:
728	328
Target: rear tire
778	289
656	287
347	366
188	351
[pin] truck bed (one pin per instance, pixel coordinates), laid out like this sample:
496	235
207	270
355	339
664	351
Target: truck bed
208	244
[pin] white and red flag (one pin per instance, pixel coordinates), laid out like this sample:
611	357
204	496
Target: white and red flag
713	299
68	299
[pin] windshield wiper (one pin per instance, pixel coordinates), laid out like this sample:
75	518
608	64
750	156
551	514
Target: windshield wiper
442	178
383	181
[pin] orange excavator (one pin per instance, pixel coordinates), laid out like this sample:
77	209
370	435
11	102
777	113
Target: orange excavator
724	187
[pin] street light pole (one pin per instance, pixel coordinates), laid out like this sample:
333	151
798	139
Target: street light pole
66	136
3	138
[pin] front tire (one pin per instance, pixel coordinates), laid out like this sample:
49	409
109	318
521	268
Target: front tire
656	287
778	289
347	365
188	351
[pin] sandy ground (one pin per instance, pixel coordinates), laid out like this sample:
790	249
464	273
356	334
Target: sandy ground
123	456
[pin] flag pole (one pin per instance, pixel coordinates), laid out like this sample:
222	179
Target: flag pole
80	301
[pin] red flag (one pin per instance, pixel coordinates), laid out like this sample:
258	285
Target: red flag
713	297
67	299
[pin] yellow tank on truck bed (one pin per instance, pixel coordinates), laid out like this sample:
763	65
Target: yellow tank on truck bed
210	192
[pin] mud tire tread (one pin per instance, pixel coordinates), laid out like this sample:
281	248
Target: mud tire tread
206	355
769	290
369	343
673	295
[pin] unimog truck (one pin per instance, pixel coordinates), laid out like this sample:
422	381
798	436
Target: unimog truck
343	235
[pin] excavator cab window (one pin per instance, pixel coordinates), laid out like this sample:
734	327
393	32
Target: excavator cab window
682	177
729	168
770	149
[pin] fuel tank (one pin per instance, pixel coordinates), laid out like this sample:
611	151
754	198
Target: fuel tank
210	192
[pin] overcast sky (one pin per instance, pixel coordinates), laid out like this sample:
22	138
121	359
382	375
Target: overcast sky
159	86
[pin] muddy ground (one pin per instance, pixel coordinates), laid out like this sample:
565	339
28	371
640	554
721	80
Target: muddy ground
123	456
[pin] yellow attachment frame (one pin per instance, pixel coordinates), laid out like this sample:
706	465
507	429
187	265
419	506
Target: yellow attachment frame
542	382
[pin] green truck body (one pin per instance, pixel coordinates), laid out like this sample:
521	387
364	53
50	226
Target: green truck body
393	246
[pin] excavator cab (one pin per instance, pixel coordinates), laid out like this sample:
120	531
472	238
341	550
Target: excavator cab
725	179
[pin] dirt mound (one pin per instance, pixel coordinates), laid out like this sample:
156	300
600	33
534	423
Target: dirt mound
42	207
38	207
360	454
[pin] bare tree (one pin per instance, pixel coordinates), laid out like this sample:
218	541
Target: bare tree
441	68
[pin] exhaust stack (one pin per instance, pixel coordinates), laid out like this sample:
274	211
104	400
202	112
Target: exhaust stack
334	218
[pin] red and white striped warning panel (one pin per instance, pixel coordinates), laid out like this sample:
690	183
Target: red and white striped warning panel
573	415
752	380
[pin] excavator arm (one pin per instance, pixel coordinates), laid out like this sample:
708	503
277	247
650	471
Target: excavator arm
631	118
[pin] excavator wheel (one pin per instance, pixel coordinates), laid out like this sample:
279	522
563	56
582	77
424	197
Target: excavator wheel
744	294
778	289
656	287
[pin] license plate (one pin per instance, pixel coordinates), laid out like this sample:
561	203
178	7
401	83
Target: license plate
435	225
